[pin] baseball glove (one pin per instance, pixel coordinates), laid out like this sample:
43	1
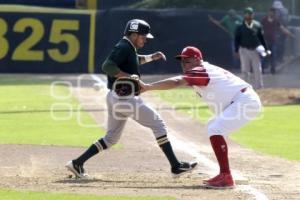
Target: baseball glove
127	86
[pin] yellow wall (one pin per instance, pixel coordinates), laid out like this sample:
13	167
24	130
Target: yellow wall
86	4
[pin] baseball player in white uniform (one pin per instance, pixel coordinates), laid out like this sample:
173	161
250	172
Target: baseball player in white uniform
232	100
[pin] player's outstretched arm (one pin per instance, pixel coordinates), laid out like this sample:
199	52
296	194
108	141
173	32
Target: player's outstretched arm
218	23
165	84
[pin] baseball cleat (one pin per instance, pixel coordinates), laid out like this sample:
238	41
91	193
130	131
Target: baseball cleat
221	181
77	170
205	181
183	168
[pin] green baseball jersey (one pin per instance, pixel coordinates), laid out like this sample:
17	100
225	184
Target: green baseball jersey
249	36
123	57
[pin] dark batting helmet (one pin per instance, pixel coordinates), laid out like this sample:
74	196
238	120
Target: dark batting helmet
138	26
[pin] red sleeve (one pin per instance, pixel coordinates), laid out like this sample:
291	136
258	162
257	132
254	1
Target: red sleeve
197	76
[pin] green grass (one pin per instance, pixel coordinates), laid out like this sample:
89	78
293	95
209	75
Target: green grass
27	117
275	132
185	100
16	195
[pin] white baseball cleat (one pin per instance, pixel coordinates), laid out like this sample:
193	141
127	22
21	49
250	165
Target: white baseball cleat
77	170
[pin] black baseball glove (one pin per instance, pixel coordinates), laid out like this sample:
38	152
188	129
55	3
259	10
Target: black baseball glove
127	86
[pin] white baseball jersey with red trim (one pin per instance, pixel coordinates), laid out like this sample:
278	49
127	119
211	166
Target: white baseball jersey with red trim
215	85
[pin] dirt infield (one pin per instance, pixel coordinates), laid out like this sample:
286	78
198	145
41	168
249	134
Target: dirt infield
140	167
280	96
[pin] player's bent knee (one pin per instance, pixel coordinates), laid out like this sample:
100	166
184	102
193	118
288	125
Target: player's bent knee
159	131
158	128
252	110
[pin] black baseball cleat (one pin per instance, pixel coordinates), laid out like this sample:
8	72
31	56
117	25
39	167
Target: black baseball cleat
183	168
76	169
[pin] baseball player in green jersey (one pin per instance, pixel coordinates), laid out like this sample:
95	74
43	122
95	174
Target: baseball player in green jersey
124	61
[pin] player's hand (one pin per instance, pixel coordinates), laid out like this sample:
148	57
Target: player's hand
144	87
159	55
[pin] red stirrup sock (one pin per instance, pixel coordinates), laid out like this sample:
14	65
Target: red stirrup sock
219	146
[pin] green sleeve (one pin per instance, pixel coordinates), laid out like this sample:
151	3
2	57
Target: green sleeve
110	68
116	58
224	20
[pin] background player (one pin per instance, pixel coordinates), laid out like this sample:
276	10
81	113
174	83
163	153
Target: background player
124	61
248	37
232	100
229	24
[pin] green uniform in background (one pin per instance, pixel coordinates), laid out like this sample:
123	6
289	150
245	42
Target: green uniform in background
231	24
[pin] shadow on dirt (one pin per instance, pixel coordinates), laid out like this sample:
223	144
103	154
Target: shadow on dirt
90	183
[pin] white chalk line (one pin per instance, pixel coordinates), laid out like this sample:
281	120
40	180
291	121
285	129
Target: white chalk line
192	150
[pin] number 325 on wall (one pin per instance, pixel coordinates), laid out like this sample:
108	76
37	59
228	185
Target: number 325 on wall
24	51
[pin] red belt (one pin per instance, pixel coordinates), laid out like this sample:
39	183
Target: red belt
243	90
